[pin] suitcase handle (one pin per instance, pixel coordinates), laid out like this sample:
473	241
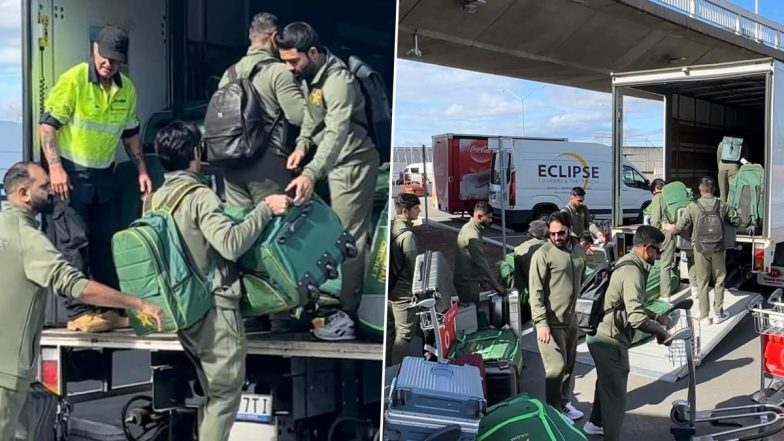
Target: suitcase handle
292	229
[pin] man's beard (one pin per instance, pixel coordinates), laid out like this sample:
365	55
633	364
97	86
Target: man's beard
43	205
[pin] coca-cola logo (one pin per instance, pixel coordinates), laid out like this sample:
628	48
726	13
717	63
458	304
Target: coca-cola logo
479	153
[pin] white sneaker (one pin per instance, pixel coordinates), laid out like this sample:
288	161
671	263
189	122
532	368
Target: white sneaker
572	412
592	429
716	319
338	326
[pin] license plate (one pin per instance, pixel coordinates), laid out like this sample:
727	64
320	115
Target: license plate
255	408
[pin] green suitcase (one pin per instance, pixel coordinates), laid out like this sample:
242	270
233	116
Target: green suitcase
491	344
526	419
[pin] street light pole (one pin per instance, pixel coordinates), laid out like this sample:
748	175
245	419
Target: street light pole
522	100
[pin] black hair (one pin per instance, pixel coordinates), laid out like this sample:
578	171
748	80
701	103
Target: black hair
578	191
707	183
300	36
482	206
657	184
18	175
175	144
263	23
406	201
561	218
647	235
586	237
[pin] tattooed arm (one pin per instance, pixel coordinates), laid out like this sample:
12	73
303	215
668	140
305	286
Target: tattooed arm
133	146
61	184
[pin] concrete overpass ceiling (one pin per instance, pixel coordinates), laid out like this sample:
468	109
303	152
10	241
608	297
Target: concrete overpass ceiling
568	42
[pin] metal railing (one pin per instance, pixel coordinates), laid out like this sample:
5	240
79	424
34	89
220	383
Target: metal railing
723	14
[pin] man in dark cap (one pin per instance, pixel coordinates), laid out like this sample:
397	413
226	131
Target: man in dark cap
90	108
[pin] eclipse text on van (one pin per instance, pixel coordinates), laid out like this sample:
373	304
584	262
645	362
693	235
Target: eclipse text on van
568	171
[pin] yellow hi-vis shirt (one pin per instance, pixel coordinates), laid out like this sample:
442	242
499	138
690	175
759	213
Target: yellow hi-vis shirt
90	120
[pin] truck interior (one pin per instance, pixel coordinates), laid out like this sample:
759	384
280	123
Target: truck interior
699	114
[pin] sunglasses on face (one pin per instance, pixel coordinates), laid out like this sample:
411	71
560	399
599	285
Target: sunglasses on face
658	250
558	233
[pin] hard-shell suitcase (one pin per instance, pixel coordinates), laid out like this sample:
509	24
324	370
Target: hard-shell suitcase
433	278
499	309
474	360
466	320
38	420
503	380
519	311
419	427
491	344
438	389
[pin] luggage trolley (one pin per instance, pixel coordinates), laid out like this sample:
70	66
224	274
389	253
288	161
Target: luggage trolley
752	422
769	324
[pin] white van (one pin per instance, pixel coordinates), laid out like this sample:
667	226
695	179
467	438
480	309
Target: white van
414	172
540	175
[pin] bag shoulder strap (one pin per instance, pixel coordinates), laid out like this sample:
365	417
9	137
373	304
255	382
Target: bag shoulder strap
622	264
179	194
232	72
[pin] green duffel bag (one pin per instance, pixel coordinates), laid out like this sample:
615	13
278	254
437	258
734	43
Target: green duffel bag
506	269
491	344
297	252
152	264
523	418
653	285
372	304
656	306
260	298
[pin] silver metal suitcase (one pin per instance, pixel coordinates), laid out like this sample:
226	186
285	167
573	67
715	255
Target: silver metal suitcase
433	278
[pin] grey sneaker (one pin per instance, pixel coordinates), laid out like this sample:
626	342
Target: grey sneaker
592	429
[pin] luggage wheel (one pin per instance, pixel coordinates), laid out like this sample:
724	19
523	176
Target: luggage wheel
346	244
328	266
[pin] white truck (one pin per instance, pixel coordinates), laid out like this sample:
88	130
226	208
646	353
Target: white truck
702	104
296	387
540	174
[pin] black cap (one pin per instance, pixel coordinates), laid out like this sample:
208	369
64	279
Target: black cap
113	44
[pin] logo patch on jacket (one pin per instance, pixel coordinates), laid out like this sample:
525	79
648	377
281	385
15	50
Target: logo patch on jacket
316	97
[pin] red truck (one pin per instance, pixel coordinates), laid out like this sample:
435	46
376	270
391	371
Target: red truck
461	169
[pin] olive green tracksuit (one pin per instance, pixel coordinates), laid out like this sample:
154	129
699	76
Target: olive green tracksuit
659	218
216	343
29	266
707	265
610	346
581	219
335	125
471	268
553	286
523	254
401	321
727	171
279	92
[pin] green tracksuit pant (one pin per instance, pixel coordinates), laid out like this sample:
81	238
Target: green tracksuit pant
558	357
707	266
352	188
667	262
612	374
401	328
11	405
217	347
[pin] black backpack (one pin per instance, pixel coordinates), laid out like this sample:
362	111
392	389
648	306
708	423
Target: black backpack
709	230
377	108
590	302
237	128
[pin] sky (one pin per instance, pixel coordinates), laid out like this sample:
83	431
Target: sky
432	99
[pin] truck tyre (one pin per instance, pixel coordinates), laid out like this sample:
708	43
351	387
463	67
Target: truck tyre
543	213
